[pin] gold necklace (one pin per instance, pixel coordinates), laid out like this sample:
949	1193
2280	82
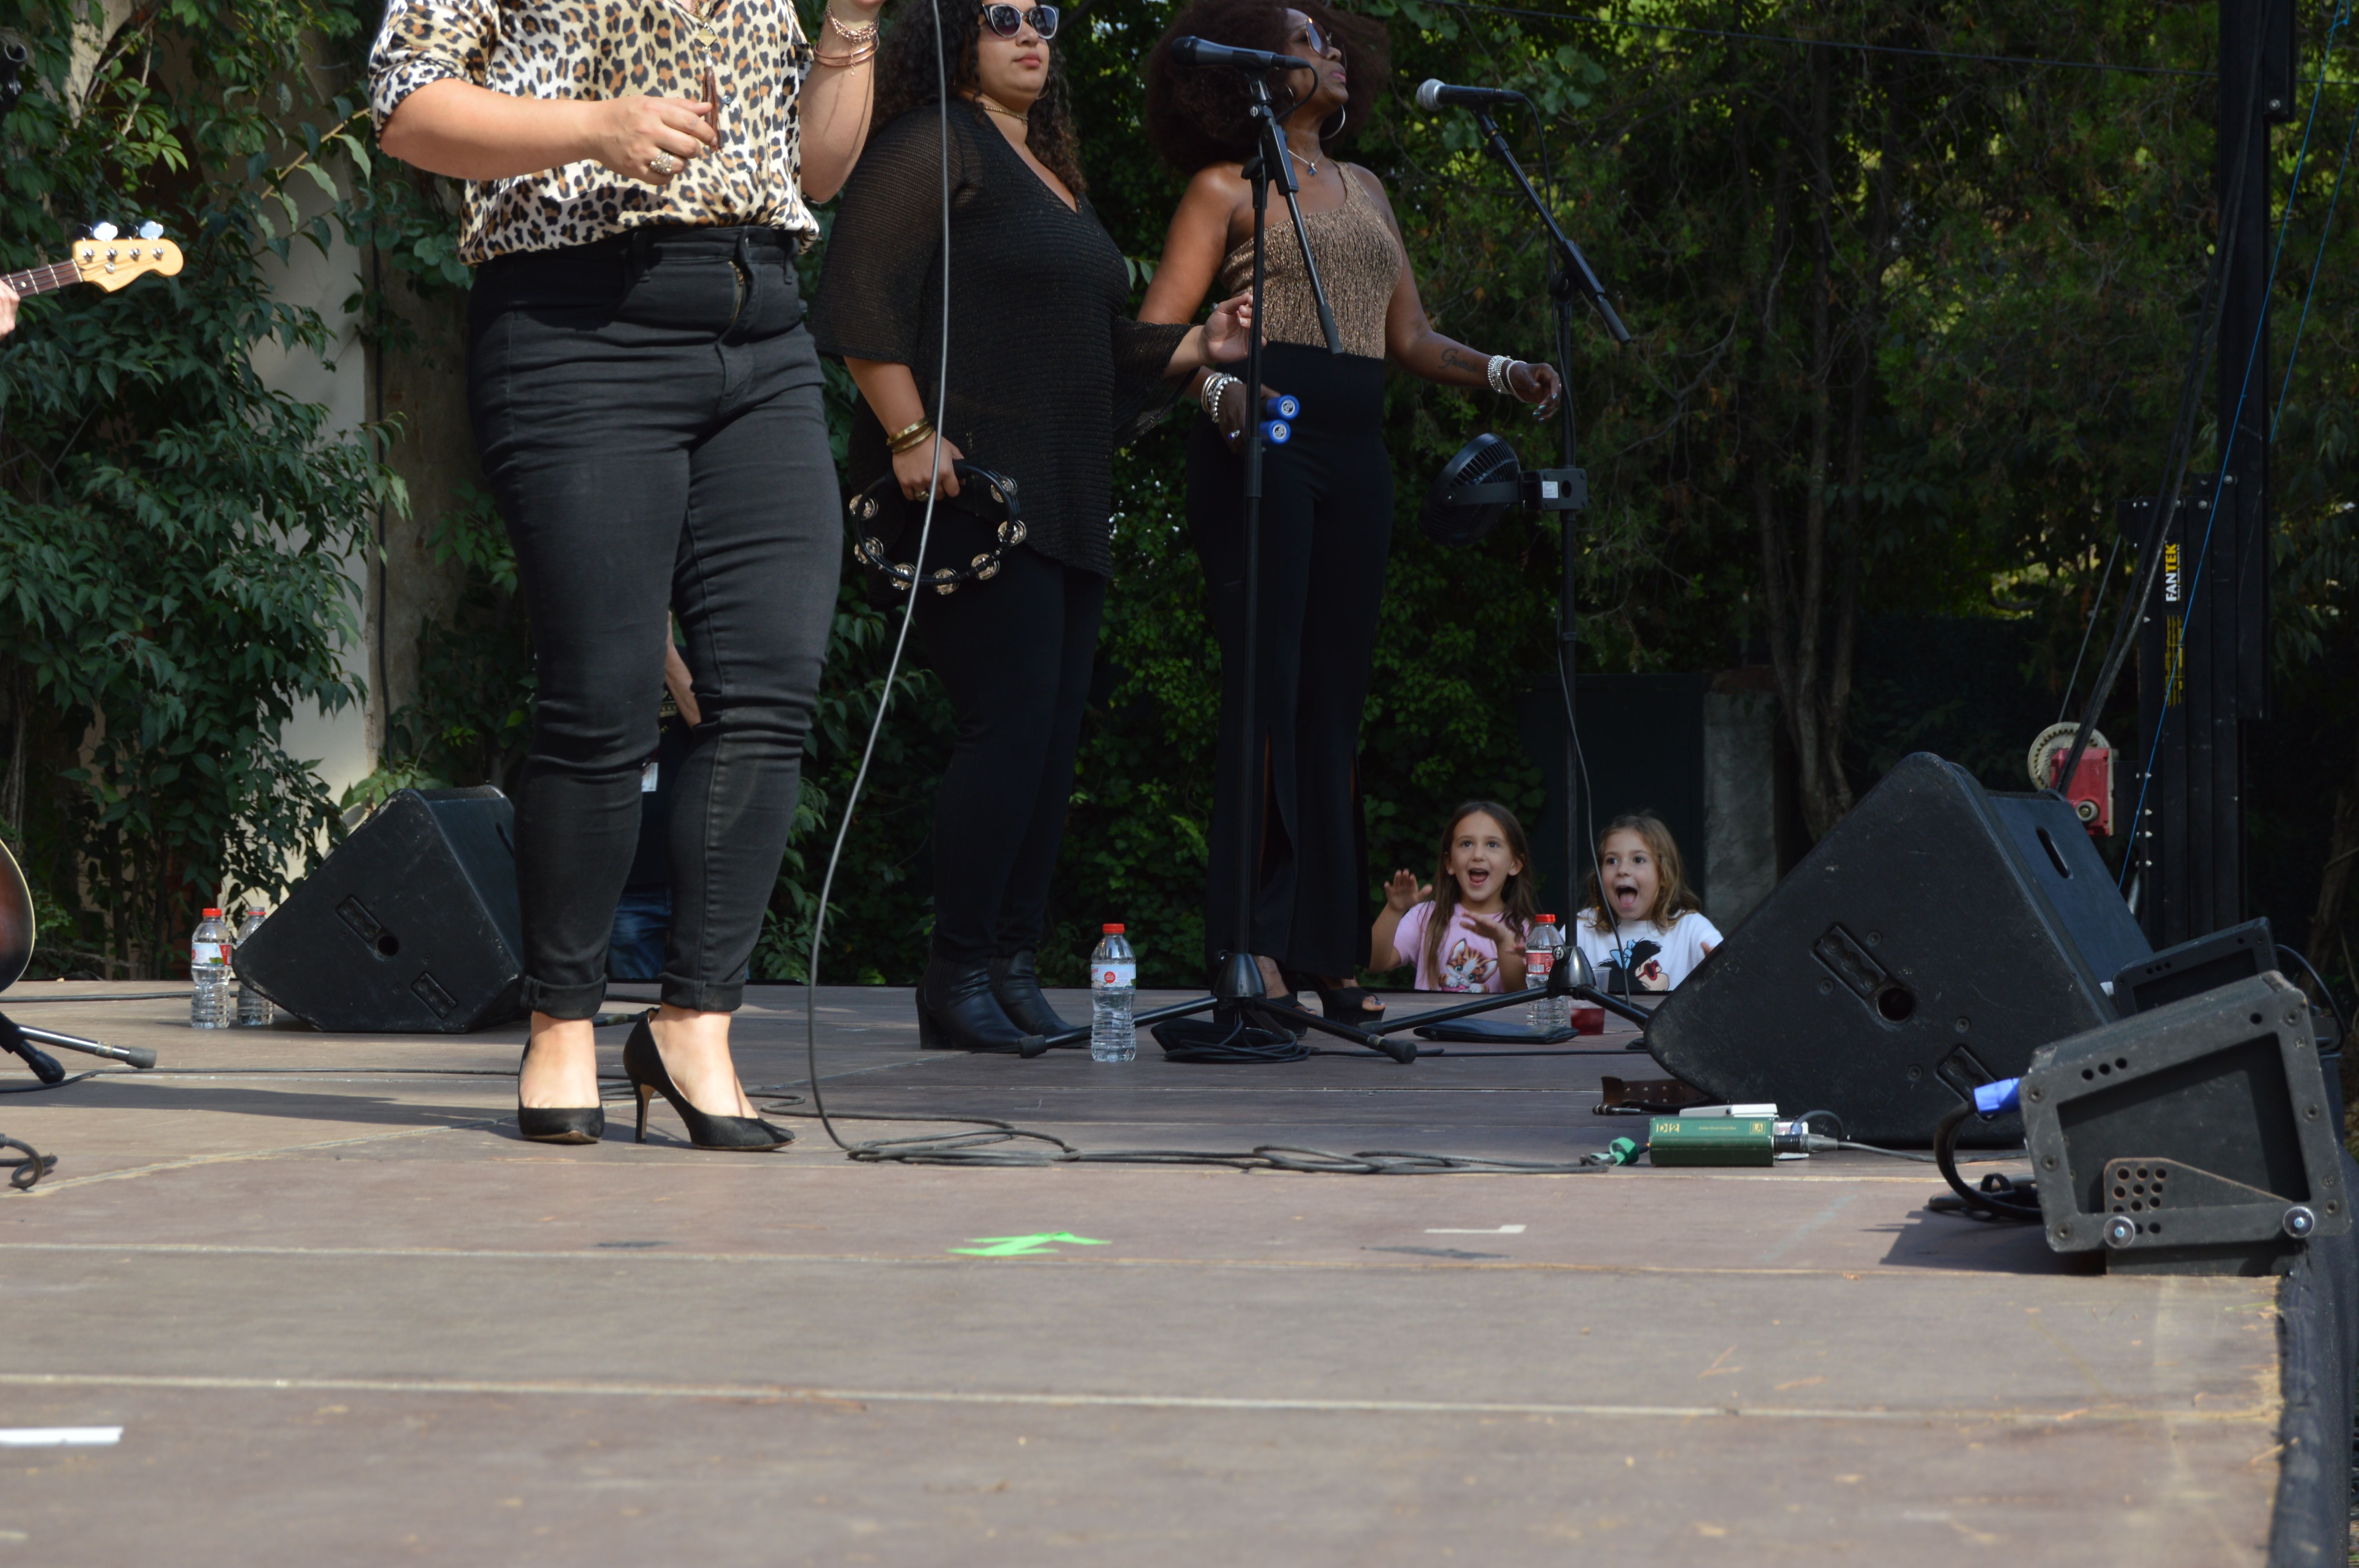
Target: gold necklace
992	108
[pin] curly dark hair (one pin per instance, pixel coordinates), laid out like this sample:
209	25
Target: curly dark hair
1196	117
907	80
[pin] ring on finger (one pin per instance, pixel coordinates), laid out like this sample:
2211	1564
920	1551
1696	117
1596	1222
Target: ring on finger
663	165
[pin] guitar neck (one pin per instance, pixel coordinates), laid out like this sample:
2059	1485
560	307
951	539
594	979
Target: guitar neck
42	279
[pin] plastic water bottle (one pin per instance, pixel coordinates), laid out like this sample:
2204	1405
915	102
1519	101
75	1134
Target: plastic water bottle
209	949
254	1009
1113	985
1541	951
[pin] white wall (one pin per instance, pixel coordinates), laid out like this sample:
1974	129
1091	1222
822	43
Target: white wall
342	746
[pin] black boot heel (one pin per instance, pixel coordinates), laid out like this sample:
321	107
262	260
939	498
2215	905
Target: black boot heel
557	1123
1015	985
644	1065
956	1011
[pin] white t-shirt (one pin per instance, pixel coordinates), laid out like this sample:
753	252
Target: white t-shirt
1658	958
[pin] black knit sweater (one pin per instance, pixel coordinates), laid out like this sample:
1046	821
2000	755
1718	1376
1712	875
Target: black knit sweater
1046	370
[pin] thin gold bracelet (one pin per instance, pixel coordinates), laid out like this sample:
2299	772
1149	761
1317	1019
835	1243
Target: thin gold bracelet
865	52
908	436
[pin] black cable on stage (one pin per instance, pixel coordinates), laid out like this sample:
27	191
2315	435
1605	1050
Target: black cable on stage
2334	1008
1945	1155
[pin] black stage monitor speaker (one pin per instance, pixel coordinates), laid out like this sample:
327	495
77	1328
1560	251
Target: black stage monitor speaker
2205	964
2192	1138
410	927
1930	942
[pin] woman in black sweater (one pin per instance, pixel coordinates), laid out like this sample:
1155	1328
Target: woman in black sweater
1046	373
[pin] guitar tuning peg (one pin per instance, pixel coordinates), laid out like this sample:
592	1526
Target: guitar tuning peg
151	229
102	230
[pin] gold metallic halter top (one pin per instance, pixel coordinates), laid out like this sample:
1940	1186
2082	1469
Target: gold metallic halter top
1359	261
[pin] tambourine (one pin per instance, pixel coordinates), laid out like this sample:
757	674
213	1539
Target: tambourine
984	495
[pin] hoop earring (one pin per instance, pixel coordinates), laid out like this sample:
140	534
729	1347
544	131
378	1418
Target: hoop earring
1329	135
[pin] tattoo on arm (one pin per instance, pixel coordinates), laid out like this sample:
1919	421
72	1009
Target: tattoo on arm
1452	359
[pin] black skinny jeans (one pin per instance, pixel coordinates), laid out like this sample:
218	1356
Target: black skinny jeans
1016	653
1326	531
647	410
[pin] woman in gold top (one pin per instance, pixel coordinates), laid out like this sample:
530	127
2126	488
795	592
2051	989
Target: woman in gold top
1327	505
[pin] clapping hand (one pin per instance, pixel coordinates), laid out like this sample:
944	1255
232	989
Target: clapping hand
1403	893
1502	935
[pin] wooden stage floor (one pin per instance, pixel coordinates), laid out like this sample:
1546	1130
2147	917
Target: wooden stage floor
343	1313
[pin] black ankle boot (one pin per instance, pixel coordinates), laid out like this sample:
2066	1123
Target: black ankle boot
956	1010
1017	986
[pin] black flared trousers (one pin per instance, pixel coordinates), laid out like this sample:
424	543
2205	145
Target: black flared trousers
1326	530
647	411
1015	654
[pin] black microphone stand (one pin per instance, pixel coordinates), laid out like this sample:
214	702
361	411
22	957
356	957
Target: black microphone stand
1571	275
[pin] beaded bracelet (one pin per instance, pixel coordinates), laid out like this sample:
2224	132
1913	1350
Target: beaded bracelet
1500	366
859	34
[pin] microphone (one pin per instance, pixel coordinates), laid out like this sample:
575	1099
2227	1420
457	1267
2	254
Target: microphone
1434	94
1199	51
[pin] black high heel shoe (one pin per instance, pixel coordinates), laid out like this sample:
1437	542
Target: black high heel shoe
557	1123
1015	986
956	1011
644	1065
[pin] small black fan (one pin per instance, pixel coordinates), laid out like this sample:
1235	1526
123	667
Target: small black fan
1482	484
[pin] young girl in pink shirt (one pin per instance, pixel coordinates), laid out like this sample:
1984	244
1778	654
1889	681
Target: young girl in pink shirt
1465	931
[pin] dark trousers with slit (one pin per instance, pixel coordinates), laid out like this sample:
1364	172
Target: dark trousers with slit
647	411
1015	654
1326	530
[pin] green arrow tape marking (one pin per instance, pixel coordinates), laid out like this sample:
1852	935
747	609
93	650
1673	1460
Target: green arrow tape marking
1023	1246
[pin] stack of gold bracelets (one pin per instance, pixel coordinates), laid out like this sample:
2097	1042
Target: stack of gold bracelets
909	436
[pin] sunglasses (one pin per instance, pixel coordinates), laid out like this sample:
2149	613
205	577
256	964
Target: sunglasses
1319	41
1007	21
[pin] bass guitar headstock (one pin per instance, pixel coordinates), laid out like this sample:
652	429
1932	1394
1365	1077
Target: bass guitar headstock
109	260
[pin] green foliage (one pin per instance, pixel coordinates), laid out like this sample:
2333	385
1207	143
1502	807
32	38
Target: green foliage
172	533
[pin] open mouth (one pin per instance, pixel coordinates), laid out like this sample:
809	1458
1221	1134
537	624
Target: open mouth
1477	875
1625	896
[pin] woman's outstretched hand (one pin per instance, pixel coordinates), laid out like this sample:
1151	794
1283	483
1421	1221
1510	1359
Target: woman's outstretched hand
911	468
1534	382
1403	894
1228	332
627	133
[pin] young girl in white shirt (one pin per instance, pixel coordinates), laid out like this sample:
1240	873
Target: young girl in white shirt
1469	935
1645	931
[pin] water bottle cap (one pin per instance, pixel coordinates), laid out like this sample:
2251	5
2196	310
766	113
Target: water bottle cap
1111	930
212	914
1547	920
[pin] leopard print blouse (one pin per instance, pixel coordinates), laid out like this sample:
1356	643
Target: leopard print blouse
610	48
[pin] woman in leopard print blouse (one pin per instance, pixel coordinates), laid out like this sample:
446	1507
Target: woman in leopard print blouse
647	404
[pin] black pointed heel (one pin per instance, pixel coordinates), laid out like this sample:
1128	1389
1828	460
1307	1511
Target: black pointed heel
1015	986
644	1065
557	1123
956	1010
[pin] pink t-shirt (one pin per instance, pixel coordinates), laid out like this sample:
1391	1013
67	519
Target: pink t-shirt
1469	961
